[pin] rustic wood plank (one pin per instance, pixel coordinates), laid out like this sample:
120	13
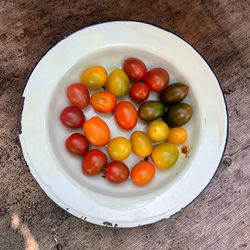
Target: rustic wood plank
220	217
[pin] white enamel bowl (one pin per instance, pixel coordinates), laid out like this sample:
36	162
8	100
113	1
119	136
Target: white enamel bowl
92	198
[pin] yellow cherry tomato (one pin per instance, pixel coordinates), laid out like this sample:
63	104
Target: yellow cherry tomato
165	155
119	148
118	82
141	144
177	136
94	77
158	130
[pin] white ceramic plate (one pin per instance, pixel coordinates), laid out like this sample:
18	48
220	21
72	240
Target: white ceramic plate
59	173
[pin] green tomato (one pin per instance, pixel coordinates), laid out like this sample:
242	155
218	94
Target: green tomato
174	93
151	110
178	115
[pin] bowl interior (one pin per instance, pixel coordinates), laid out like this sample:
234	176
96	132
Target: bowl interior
112	57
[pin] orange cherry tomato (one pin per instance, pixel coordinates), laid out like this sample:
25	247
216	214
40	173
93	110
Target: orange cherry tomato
96	131
103	101
94	77
177	136
126	115
142	173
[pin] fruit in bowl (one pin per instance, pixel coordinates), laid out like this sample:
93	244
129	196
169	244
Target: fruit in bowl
156	147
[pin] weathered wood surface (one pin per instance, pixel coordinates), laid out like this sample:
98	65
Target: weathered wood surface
219	218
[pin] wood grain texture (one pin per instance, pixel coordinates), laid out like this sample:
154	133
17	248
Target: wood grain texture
220	217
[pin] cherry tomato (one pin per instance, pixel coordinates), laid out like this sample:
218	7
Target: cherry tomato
72	117
141	144
116	172
78	95
142	173
177	135
77	144
158	130
139	92
118	82
94	162
165	155
126	115
96	131
103	101
135	69
119	148
157	79
94	77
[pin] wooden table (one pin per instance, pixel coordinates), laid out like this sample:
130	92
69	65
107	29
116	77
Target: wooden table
219	218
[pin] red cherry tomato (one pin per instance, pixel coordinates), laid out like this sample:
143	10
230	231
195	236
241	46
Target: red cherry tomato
78	95
94	162
126	115
139	92
72	117
103	101
116	172
157	79
77	144
142	173
135	69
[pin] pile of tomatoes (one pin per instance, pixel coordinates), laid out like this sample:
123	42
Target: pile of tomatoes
164	131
